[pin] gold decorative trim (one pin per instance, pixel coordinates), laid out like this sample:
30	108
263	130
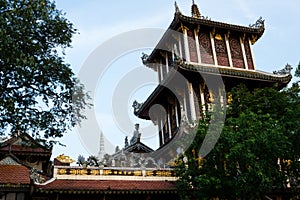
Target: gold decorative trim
218	36
115	172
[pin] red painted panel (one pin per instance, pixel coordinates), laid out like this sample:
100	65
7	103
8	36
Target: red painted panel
221	51
192	46
248	55
205	48
236	52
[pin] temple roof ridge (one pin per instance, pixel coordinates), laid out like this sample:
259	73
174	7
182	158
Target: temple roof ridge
197	18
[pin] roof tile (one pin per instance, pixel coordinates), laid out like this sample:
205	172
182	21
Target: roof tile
108	185
14	174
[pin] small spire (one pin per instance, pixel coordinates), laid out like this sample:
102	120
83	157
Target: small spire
101	149
195	10
177	8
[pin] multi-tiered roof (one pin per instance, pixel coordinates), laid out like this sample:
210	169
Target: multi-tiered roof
197	44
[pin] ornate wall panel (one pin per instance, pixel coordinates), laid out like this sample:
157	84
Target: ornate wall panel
236	52
221	51
248	54
205	48
192	46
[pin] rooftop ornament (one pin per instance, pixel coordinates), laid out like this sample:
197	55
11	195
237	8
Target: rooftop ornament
136	106
136	135
144	57
287	70
260	23
35	176
195	11
65	159
177	8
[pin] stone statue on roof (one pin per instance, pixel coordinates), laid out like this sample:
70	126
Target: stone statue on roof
126	142
136	135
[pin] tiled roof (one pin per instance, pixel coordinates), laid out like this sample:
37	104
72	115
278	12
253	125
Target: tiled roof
14	174
234	72
207	22
108	185
138	146
27	146
180	19
260	76
25	149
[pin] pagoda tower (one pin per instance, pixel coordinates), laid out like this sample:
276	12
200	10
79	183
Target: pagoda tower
194	51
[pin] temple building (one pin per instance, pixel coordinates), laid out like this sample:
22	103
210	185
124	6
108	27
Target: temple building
23	161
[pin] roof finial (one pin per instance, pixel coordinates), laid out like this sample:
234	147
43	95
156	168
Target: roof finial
195	10
177	8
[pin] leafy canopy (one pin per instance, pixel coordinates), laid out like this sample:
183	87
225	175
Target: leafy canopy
258	150
39	94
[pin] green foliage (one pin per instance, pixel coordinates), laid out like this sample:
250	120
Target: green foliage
259	148
297	72
39	94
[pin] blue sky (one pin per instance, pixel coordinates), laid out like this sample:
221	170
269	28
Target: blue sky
98	21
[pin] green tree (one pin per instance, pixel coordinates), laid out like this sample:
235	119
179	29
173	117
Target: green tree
258	150
39	94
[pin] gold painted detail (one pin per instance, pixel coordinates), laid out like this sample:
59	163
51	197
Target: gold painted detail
74	171
211	96
229	97
95	172
62	171
128	173
65	159
83	172
253	39
107	172
287	162
114	172
149	173
163	173
218	37
137	173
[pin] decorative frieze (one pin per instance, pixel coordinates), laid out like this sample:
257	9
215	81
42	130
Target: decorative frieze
104	172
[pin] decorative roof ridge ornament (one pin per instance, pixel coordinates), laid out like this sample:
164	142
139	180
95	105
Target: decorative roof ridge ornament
35	176
136	106
195	11
260	23
136	135
285	71
177	10
144	58
65	159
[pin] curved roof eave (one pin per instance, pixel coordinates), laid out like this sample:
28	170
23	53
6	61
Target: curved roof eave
239	73
224	72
